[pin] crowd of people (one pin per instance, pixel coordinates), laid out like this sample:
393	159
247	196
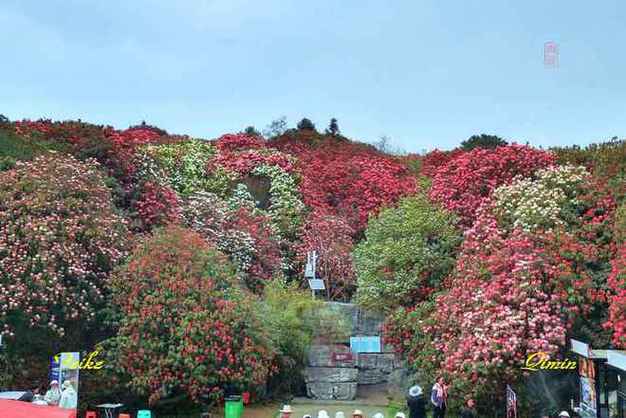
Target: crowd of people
416	405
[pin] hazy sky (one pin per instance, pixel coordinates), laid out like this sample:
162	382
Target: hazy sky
425	73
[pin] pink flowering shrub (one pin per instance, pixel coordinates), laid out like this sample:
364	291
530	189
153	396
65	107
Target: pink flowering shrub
466	181
59	239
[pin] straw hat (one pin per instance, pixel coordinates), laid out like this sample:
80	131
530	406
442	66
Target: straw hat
357	412
286	409
54	382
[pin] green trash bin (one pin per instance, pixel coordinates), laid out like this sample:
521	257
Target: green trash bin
233	407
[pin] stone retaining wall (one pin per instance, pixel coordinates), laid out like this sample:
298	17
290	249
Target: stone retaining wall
333	374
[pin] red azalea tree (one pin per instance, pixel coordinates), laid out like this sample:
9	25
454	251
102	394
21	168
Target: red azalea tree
347	179
464	183
186	327
157	206
617	299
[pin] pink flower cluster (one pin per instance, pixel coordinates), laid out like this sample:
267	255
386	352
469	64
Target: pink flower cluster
464	183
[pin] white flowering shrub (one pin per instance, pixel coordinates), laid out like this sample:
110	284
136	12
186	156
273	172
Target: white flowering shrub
539	203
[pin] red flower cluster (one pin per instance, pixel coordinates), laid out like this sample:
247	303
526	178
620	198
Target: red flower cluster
185	326
435	159
125	143
237	142
466	181
617	307
244	162
347	179
157	205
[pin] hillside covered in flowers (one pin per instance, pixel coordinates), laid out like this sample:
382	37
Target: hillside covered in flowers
182	259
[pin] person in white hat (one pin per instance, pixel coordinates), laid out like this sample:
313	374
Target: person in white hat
357	413
564	414
399	415
286	411
322	414
416	402
69	397
339	414
53	395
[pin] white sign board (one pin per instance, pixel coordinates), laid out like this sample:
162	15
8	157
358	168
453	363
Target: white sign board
317	284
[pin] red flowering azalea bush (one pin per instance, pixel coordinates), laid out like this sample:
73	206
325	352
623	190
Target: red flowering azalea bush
186	328
59	239
156	206
435	159
347	179
466	181
238	142
617	299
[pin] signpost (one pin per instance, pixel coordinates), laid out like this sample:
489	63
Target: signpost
309	273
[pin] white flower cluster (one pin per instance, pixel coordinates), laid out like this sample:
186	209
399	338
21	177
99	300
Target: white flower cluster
532	204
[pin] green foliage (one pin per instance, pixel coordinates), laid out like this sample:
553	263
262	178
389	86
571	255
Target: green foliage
182	166
333	127
607	161
306	125
286	209
14	147
286	312
406	253
482	141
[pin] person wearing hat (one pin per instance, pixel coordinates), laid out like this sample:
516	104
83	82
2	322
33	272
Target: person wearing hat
416	402
286	411
340	414
400	415
53	395
564	414
69	397
357	413
322	414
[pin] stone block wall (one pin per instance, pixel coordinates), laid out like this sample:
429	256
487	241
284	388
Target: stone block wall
331	376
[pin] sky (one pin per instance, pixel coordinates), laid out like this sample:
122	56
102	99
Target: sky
427	74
